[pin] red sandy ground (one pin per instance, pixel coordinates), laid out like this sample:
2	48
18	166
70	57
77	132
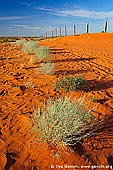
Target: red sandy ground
22	90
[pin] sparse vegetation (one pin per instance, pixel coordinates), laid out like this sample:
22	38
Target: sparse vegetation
71	83
29	47
94	99
46	68
2	40
28	118
12	39
20	42
63	121
41	53
8	39
33	59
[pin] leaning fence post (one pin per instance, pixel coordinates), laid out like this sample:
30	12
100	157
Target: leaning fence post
87	28
106	26
60	31
65	30
74	31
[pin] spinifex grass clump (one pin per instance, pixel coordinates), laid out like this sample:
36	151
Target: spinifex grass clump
2	40
70	83
12	39
8	39
94	99
20	42
29	47
46	68
63	121
41	53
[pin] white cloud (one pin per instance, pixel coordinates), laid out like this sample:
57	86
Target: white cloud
44	9
27	4
26	26
78	13
28	30
10	18
87	14
34	27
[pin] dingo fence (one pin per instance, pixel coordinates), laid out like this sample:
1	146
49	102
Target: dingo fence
92	27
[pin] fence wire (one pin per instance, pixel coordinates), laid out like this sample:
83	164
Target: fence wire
93	27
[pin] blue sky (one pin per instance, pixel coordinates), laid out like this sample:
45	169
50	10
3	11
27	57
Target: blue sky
35	17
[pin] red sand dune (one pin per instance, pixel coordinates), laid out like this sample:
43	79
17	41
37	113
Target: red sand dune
22	90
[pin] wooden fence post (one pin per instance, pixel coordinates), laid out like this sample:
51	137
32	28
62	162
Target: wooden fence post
65	31
106	26
56	31
74	30
60	31
46	34
52	33
87	28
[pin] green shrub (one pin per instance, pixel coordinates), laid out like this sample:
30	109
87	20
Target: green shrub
94	99
20	42
29	47
12	39
71	83
2	40
46	68
8	39
63	121
41	53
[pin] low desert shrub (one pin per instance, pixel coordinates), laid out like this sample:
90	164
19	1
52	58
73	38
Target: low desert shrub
12	39
63	121
46	68
29	47
2	40
20	42
8	39
94	99
70	83
41	53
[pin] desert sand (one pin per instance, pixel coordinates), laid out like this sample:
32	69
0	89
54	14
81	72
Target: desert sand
23	89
